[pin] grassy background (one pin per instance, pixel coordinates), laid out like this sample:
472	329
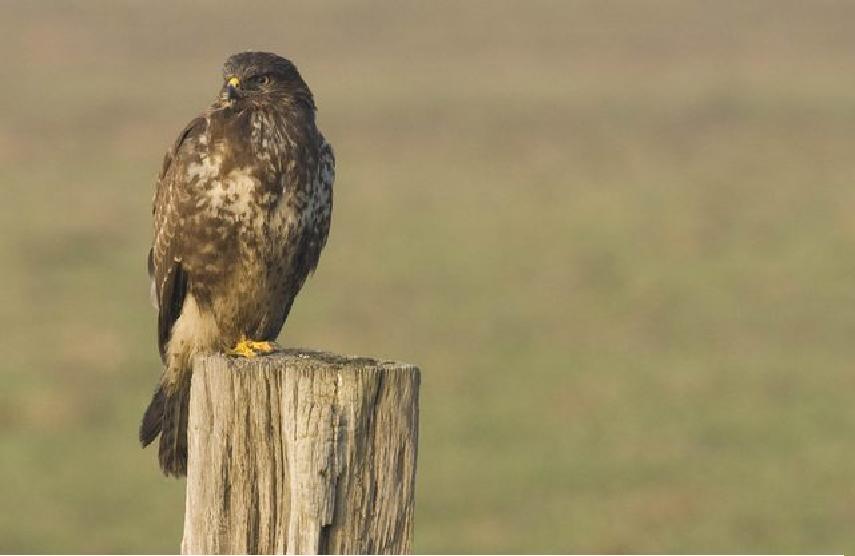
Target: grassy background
617	237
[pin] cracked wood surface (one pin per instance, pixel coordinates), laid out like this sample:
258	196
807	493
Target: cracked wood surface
301	452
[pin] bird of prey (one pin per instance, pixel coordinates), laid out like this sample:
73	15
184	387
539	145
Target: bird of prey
241	212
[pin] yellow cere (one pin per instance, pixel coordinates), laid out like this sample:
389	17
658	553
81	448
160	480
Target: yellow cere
234	81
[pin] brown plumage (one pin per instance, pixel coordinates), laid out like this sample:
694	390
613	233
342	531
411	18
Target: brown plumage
241	212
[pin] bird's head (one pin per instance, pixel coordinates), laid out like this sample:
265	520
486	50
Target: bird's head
263	77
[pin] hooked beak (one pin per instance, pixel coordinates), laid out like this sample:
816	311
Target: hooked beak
232	88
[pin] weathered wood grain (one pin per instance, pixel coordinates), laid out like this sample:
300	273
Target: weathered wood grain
301	452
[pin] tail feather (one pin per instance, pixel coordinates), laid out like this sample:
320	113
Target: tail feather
173	435
167	416
152	419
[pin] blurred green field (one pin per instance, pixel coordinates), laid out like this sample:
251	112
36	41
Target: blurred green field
616	236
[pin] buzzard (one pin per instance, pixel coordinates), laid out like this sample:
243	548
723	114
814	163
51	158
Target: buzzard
241	212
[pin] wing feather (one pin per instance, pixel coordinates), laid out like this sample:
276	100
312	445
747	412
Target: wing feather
169	280
326	178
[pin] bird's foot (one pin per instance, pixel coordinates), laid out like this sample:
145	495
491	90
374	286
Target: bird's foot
263	347
251	348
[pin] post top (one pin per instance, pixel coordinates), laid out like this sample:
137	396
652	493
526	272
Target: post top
303	356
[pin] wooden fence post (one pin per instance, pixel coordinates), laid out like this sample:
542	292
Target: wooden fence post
301	452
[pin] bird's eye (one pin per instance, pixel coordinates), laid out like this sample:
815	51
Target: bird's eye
260	80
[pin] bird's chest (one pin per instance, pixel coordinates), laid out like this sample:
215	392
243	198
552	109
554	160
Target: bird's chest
260	224
257	236
264	177
251	194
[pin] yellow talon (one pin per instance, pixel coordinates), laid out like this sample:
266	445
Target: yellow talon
250	348
242	349
262	347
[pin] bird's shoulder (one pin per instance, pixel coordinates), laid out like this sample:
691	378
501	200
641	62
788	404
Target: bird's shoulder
326	152
189	147
188	142
326	166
